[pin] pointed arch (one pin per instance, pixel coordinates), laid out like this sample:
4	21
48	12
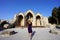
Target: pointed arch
30	12
29	15
20	19
38	20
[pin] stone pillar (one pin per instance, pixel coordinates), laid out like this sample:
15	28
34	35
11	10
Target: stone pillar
33	21
41	22
23	22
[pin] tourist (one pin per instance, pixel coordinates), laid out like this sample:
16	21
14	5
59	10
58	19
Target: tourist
29	28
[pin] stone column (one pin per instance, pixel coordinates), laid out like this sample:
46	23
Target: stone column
33	21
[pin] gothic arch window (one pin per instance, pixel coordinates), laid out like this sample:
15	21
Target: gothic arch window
38	21
28	16
20	20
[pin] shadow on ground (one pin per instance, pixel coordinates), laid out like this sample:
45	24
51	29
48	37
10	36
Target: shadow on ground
32	34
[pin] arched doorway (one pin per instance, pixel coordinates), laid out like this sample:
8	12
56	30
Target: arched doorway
20	20
38	22
28	16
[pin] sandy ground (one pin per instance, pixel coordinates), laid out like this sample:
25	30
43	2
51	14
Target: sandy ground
40	34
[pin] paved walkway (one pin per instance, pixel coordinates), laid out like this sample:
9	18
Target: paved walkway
40	34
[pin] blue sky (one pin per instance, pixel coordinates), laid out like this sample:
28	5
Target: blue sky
8	8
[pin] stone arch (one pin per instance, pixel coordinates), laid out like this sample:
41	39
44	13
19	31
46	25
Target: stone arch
38	20
20	19
29	15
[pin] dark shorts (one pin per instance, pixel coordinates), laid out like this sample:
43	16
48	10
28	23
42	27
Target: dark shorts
29	30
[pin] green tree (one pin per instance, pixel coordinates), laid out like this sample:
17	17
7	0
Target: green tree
54	14
59	14
55	18
50	19
0	20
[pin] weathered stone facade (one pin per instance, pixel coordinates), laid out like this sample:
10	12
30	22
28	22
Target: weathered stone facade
37	19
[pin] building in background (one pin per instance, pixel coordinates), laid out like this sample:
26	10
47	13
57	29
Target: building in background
37	19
